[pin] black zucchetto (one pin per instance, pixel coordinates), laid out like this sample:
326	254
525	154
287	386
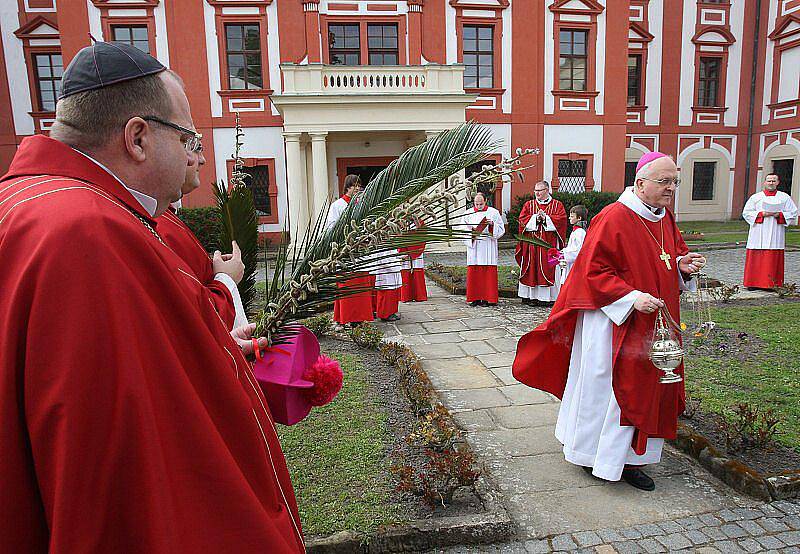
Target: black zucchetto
106	63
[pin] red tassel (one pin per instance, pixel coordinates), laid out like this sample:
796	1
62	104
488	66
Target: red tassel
327	376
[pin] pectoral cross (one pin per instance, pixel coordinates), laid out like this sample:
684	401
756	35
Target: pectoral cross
665	258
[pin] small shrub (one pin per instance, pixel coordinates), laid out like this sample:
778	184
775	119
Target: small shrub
366	336
442	475
787	290
435	430
747	427
320	325
724	293
391	352
205	224
692	405
593	200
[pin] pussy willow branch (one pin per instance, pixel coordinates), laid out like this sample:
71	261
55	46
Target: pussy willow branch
370	233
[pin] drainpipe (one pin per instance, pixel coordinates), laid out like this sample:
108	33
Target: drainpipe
746	187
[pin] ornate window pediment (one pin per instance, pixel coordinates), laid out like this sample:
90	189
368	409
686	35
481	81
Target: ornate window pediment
39	27
637	33
789	26
577	7
719	36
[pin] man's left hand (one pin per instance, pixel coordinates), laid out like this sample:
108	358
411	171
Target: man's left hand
244	338
692	263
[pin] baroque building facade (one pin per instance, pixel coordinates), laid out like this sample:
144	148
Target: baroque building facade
324	88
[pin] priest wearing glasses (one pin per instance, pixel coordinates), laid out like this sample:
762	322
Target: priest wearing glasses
592	352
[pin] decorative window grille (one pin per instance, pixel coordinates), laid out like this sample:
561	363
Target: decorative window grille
258	183
572	176
630	173
703	180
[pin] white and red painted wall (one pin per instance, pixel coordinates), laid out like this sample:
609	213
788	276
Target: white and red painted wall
594	84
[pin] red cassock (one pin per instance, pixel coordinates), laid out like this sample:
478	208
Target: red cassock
131	420
618	257
181	239
532	260
414	289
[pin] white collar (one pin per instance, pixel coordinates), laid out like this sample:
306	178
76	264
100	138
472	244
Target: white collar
147	202
629	199
544	202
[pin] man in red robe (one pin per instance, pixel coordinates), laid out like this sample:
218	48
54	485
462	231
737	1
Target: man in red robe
542	217
359	306
593	350
131	419
219	276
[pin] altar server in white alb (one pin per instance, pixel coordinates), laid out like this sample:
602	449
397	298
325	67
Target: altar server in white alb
486	225
768	212
578	216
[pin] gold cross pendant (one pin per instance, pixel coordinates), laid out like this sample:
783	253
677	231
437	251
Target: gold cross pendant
665	258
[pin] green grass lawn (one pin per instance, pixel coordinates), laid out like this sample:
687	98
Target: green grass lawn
770	380
713	226
337	461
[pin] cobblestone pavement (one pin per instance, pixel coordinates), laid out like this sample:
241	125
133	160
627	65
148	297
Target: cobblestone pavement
467	353
725	265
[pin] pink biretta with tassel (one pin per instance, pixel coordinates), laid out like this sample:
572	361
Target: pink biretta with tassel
295	377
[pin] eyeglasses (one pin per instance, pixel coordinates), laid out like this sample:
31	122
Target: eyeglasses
192	139
664	182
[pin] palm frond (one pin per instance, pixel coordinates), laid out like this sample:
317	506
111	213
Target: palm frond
239	223
377	222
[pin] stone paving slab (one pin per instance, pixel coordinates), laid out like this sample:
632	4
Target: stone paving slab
476	399
522	394
503	443
475	347
438	351
519	417
465	372
502	359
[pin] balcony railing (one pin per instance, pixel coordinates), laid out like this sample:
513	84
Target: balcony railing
316	79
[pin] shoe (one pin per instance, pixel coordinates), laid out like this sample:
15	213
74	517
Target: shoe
475	303
393	317
635	477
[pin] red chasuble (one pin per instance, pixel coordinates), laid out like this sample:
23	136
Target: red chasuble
618	256
181	239
131	420
532	260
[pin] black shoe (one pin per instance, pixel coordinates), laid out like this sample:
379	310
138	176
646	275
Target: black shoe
589	471
475	303
393	317
635	477
485	303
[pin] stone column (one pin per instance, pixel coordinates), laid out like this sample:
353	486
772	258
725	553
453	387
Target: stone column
319	160
296	188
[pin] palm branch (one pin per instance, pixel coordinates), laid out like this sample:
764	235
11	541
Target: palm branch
377	222
239	222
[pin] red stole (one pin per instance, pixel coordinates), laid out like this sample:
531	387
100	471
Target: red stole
619	256
532	260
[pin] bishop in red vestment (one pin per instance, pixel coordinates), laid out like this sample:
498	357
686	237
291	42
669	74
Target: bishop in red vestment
131	420
542	217
592	352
